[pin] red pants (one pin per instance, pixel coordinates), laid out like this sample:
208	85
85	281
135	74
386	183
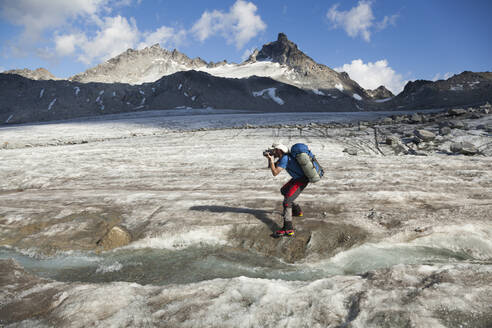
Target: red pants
292	189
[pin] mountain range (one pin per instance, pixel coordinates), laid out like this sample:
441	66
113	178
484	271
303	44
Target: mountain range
279	77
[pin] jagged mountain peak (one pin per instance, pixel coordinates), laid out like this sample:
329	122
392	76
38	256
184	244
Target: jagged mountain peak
380	93
140	66
281	60
282	51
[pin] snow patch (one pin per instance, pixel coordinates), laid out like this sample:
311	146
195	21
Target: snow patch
264	68
457	87
180	86
51	104
271	93
339	86
77	90
473	84
10	117
99	100
357	97
318	92
383	100
141	92
41	93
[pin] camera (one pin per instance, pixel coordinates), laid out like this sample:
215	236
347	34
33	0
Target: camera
268	152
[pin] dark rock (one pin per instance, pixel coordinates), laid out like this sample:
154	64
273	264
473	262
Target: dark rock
380	93
117	236
457	125
485	127
464	148
424	135
351	151
416	118
445	130
457	111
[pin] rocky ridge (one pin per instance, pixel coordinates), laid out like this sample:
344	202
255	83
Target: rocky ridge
150	64
38	74
140	66
24	100
380	93
466	88
308	73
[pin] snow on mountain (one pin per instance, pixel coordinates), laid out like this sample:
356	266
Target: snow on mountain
140	66
262	68
280	60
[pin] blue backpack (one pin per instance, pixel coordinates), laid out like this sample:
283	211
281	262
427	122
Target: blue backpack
307	161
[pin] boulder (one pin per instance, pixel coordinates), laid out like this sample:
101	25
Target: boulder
464	148
351	151
424	135
387	120
416	118
485	127
457	125
117	236
392	140
445	130
457	111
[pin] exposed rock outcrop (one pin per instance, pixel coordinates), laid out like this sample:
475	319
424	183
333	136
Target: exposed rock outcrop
380	93
24	100
117	236
308	73
38	74
467	88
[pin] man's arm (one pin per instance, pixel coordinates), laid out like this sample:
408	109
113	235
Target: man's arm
275	169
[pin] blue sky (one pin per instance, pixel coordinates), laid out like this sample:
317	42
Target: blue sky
377	42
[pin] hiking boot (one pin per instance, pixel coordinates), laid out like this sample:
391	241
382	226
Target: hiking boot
296	210
286	230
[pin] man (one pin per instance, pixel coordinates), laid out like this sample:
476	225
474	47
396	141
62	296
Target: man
291	189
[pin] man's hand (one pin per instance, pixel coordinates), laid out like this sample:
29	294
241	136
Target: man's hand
275	170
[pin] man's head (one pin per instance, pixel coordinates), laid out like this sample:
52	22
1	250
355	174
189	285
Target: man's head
280	149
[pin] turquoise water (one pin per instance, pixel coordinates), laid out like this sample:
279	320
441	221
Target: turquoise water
194	264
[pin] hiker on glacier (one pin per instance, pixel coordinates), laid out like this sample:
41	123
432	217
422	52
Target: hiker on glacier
292	189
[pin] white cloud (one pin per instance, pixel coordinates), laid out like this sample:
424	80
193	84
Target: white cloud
86	30
37	16
237	26
113	36
358	20
373	75
440	76
387	20
165	36
65	44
